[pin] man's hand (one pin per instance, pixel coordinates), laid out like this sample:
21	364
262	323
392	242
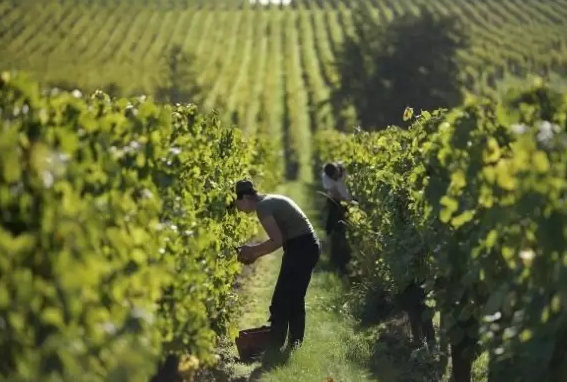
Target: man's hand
250	253
247	254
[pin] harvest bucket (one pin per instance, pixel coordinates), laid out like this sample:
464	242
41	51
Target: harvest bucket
252	342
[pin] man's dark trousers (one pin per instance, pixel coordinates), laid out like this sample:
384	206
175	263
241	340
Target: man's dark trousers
288	301
336	230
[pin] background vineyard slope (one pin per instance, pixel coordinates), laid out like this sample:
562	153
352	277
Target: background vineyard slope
286	70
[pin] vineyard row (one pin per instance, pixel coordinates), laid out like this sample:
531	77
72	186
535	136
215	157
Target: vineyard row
117	234
467	208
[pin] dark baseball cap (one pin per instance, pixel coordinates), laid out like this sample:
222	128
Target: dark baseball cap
244	187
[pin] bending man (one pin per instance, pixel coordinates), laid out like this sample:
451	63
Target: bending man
287	227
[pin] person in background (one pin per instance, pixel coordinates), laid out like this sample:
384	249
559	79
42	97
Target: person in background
334	177
288	227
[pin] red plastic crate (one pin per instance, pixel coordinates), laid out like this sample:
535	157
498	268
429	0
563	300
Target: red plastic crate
252	342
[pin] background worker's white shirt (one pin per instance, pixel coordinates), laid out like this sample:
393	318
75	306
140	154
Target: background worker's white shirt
336	188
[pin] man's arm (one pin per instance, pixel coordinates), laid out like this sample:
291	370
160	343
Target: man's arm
343	191
275	237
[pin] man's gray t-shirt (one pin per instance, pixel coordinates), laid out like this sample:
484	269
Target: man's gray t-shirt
290	219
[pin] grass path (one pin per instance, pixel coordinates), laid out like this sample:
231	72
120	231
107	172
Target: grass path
330	351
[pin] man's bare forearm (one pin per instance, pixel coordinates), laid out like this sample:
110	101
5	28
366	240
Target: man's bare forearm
266	247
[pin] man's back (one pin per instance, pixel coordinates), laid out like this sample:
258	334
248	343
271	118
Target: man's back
334	177
289	217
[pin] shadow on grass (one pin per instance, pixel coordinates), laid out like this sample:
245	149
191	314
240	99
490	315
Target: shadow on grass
383	332
413	363
382	341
